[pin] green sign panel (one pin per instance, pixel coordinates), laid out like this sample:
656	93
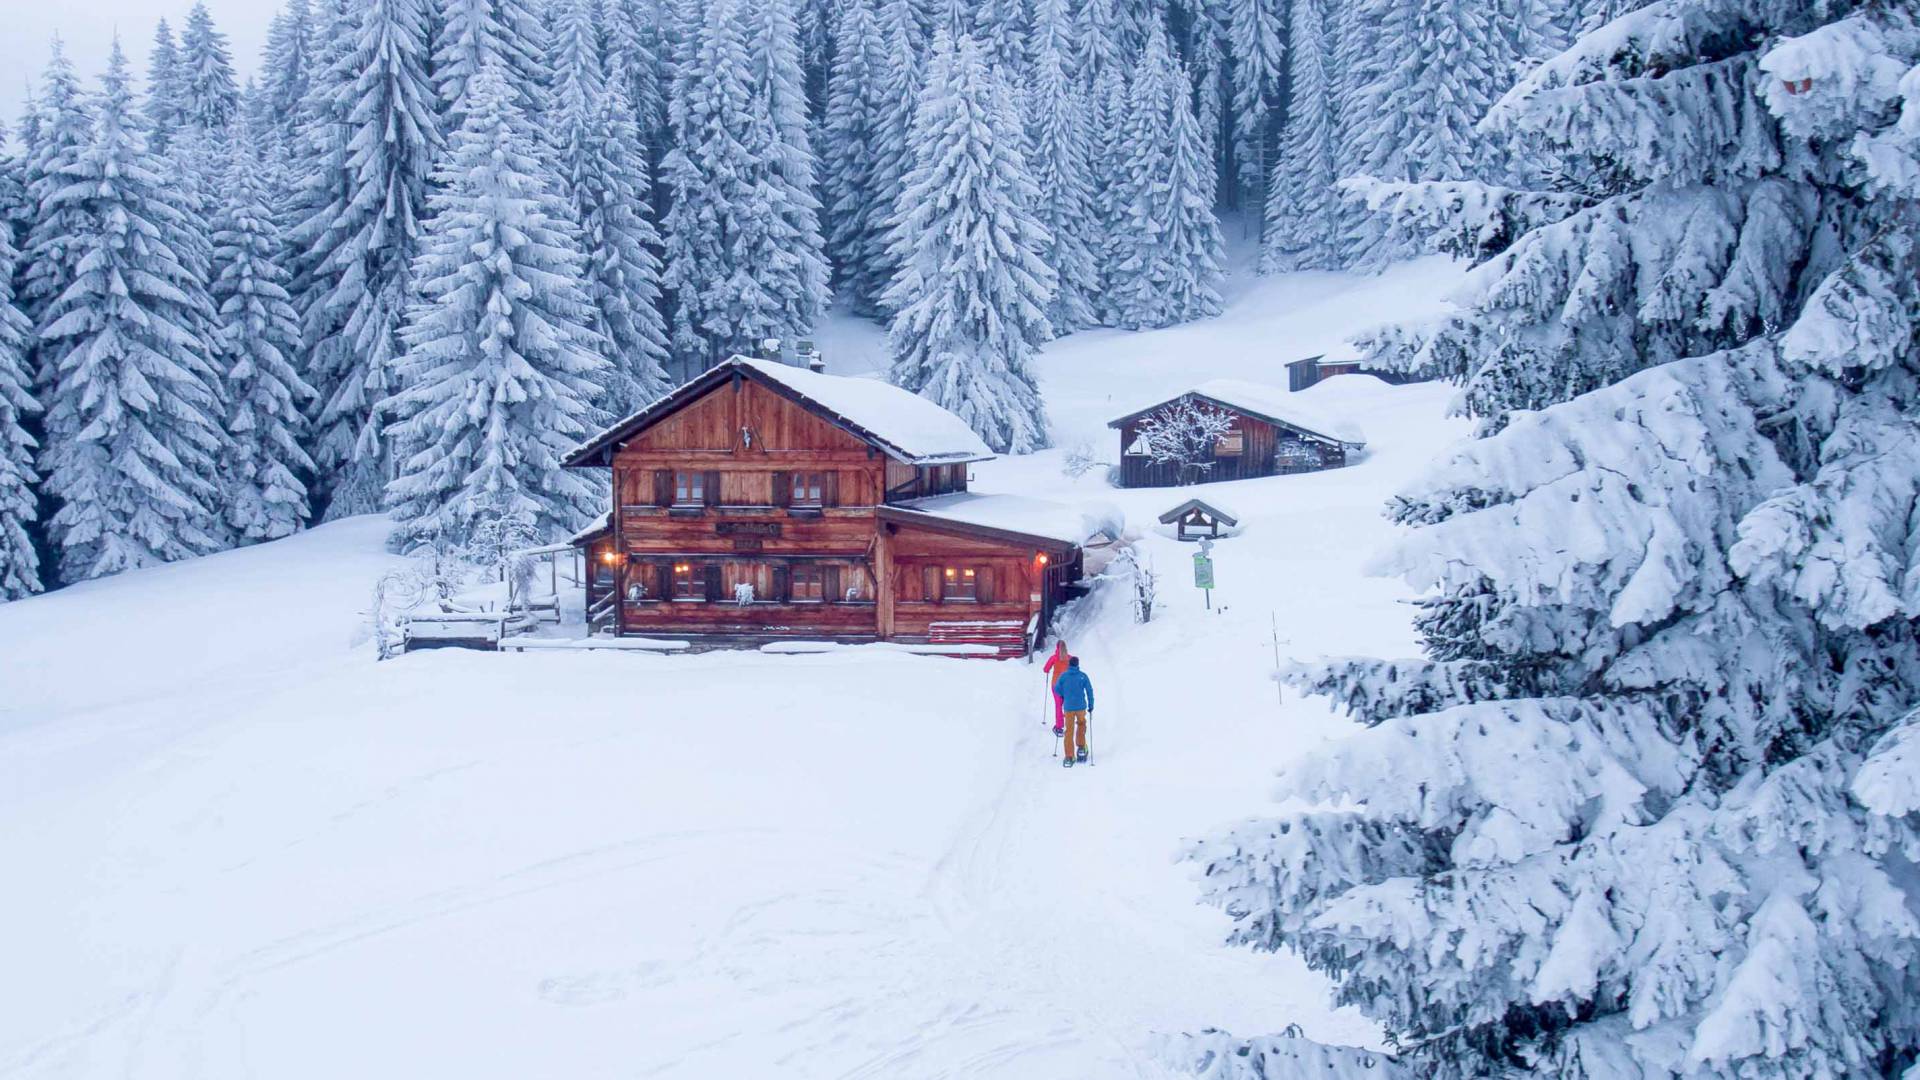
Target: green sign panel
1202	572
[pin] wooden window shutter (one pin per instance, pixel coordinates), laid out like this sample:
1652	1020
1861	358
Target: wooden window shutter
663	487
830	583
713	581
782	585
712	489
830	489
782	488
662	588
932	579
983	584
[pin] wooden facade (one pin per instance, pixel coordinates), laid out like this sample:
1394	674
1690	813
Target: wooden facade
1256	445
745	512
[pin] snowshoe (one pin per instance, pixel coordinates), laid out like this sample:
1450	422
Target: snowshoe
1059	732
1082	755
1066	763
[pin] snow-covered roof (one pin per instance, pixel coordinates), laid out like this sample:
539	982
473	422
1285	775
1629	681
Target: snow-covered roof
1272	403
903	423
1213	509
594	528
923	431
1039	518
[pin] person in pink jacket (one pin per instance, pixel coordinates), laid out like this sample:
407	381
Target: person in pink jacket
1056	666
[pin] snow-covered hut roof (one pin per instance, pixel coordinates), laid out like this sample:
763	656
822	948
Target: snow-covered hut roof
1008	515
1269	403
901	422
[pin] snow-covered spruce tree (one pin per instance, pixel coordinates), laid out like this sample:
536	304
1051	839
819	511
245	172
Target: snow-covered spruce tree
502	362
1421	75
971	296
1111	191
286	68
360	239
633	42
1167	238
1003	28
1099	44
794	272
1205	49
62	129
1639	810
1255	42
258	336
166	94
1303	214
1057	129
19	561
708	171
603	172
209	93
312	208
133	423
744	253
469	34
856	206
901	78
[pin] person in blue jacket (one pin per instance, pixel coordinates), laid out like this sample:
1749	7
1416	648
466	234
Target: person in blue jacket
1076	698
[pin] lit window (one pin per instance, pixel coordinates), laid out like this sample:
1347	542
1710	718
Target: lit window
689	489
807	490
807	584
688	584
959	583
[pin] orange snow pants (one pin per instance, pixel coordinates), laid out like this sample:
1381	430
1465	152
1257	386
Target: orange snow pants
1076	733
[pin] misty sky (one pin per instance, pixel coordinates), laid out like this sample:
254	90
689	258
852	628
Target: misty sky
88	27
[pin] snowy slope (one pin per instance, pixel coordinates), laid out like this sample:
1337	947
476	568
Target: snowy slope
251	851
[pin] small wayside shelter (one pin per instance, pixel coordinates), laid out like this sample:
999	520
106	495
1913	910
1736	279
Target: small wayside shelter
1194	519
763	502
1270	435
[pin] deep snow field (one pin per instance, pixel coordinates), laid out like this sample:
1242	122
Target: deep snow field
234	845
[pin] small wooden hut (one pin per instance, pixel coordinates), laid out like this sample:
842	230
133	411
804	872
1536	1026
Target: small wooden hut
1270	435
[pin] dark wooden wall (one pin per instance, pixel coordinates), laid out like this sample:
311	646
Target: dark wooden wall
1255	458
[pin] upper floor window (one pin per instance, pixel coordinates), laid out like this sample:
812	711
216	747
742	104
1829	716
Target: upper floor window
689	488
807	489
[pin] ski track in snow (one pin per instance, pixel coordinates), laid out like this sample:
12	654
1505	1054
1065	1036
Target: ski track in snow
250	851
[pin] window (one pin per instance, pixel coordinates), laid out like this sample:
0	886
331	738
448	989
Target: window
689	488
1231	444
808	490
689	583
807	584
959	583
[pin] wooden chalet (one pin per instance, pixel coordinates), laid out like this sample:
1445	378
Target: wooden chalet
763	501
1270	436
